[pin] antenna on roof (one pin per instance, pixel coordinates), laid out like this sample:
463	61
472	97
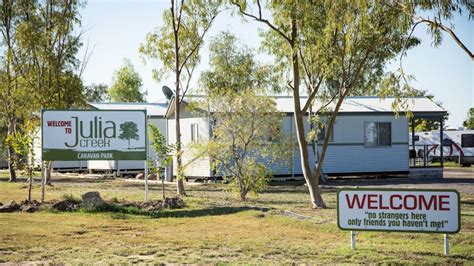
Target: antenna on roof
168	93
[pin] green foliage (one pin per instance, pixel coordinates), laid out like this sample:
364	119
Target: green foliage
233	67
128	131
176	43
162	151
38	63
126	85
96	93
247	139
48	41
21	143
436	14
469	122
330	50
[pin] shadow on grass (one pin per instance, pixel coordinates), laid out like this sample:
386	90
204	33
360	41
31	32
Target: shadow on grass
59	180
118	211
395	181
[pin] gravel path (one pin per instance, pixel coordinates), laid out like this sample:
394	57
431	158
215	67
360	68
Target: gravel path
460	179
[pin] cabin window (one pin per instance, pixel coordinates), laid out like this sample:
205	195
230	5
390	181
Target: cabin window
322	134
377	134
194	132
467	140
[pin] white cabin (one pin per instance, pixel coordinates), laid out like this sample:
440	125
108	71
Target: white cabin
368	138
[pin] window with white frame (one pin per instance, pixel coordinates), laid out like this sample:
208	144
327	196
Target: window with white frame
194	132
377	134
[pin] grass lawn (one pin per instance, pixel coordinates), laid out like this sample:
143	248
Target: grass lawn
212	228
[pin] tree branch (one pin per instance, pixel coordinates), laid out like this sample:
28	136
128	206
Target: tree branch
312	96
453	36
201	37
261	19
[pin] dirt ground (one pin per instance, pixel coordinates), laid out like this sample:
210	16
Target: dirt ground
460	179
276	227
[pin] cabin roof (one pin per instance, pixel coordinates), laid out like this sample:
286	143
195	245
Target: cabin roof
422	107
365	104
152	109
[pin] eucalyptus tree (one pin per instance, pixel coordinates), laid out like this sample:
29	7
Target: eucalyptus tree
247	139
51	38
127	85
327	48
437	15
96	93
246	125
233	68
40	65
176	45
15	98
469	122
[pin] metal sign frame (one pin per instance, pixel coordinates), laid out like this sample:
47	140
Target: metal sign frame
44	156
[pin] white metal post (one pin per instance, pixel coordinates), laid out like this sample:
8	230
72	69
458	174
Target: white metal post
146	158
446	245
353	240
146	181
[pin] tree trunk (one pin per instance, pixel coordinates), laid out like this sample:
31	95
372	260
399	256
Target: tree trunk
11	165
11	156
179	164
180	187
243	196
162	184
30	184
329	131
49	167
311	181
43	181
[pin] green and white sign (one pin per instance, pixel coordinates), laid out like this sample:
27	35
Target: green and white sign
93	135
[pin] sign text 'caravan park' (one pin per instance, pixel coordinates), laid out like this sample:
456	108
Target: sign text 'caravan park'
93	135
430	211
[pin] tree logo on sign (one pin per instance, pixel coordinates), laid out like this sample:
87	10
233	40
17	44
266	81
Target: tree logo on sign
129	131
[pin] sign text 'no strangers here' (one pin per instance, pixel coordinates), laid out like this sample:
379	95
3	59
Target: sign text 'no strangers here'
426	211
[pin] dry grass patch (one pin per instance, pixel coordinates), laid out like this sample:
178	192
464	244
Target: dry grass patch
214	227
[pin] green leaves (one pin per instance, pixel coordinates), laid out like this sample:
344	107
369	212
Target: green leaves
247	139
158	143
234	69
126	85
469	122
176	43
96	93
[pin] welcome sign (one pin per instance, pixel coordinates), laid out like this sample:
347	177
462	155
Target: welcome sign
93	135
428	211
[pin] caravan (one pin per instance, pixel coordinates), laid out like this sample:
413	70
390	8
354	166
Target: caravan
458	146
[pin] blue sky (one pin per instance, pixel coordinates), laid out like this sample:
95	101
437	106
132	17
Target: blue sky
114	29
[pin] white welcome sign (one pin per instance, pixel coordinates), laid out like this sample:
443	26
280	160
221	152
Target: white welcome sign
425	211
93	135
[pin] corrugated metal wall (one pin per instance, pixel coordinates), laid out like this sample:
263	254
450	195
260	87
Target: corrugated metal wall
346	153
